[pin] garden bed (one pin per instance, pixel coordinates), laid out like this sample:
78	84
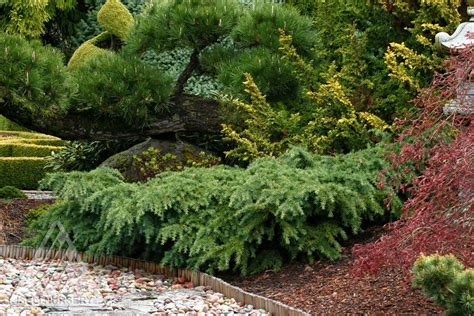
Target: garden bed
12	218
326	287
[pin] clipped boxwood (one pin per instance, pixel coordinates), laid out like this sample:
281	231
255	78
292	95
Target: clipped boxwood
23	157
44	142
6	124
22	172
27	135
26	150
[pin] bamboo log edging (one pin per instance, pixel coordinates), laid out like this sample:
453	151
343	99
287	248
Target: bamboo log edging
196	277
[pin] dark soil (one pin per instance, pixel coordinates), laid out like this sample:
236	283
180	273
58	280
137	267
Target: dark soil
327	288
12	218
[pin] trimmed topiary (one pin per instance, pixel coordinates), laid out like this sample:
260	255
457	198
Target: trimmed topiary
22	172
10	192
27	150
115	18
88	50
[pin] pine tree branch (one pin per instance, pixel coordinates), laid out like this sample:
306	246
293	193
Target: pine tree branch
190	114
186	74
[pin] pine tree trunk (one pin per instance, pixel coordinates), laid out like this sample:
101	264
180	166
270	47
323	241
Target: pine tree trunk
190	114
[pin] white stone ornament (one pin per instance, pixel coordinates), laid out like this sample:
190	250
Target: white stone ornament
462	38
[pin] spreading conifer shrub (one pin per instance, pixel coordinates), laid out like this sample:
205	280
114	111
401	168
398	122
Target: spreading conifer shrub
447	282
9	192
297	206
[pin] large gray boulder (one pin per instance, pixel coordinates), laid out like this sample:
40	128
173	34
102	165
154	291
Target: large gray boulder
170	156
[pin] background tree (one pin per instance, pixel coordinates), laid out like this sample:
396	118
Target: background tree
215	40
432	162
28	17
195	53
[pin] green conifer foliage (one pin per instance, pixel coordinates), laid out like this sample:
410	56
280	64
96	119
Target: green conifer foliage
33	77
229	39
120	88
222	218
27	18
195	24
447	282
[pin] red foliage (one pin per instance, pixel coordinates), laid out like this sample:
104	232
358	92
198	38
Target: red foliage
433	162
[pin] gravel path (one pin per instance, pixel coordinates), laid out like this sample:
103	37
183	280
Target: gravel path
61	288
39	195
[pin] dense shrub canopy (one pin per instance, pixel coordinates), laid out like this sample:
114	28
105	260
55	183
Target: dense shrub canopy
432	163
222	218
33	77
122	89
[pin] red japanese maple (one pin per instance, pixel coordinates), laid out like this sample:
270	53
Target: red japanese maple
433	162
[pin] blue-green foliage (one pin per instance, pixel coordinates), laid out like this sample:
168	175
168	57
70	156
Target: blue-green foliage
173	63
222	218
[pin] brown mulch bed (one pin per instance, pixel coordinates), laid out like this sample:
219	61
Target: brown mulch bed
327	288
12	218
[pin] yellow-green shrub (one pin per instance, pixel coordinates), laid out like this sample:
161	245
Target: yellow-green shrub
22	172
87	50
115	18
5	135
43	142
26	150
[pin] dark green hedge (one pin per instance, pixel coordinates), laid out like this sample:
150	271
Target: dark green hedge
23	173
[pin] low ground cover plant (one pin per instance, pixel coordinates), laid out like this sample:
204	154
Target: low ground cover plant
222	218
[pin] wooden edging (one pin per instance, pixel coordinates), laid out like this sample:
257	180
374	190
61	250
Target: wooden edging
197	278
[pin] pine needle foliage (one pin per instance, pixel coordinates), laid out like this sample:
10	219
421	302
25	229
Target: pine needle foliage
33	77
447	282
229	39
120	88
194	24
222	218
